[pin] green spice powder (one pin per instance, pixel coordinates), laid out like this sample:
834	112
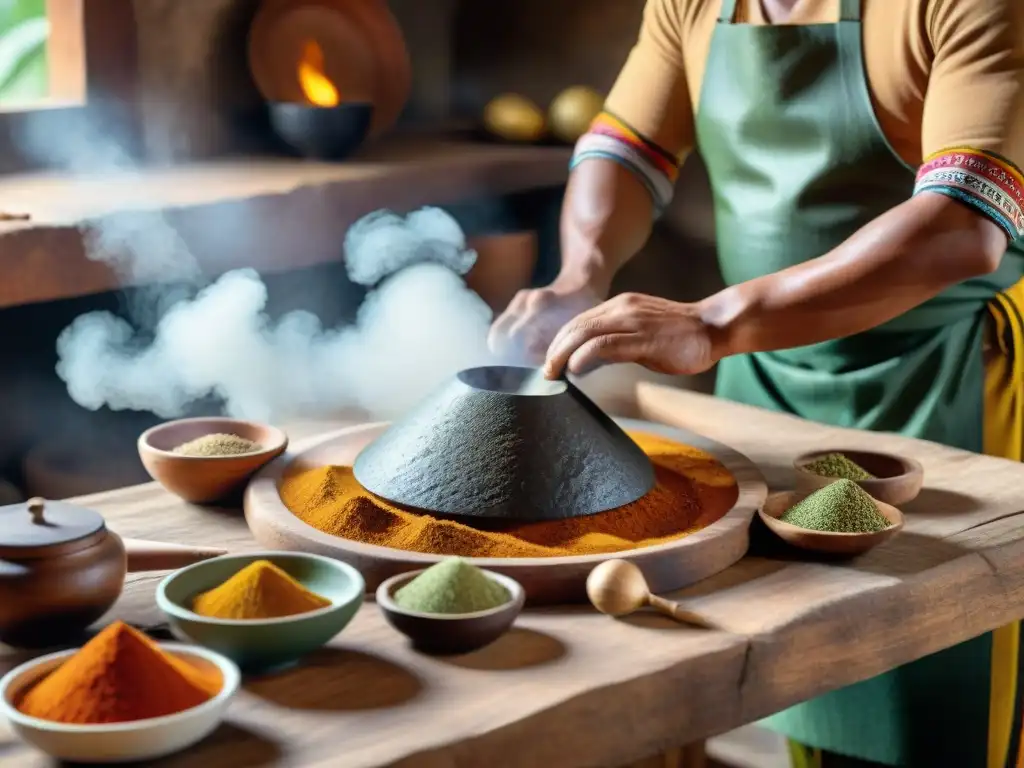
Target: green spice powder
840	507
451	586
837	465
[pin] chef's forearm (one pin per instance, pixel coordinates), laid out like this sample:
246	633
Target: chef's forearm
900	260
606	218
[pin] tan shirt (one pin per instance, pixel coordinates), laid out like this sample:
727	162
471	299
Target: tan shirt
942	73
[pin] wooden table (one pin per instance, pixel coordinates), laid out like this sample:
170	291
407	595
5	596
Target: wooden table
568	687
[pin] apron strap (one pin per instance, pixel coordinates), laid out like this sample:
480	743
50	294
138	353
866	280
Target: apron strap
728	14
849	10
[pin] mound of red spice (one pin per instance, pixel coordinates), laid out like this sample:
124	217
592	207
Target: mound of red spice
119	676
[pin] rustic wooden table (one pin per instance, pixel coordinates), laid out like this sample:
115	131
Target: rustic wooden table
569	687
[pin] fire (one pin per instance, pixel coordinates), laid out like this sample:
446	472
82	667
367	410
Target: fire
314	83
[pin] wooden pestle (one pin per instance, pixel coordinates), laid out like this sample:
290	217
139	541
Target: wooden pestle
160	556
618	588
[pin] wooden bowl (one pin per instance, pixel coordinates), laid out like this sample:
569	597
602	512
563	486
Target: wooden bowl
146	739
205	479
846	544
547	580
898	479
445	634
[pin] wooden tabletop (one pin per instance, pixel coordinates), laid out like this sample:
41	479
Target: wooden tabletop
568	687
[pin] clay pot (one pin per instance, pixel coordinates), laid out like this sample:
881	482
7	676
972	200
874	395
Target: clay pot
61	569
364	53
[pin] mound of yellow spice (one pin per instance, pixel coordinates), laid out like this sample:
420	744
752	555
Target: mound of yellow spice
692	490
261	590
119	676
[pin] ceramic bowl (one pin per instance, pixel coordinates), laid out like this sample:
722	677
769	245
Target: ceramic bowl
445	634
845	544
322	133
205	479
898	478
263	644
118	742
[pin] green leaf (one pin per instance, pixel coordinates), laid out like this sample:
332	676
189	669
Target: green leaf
14	12
22	48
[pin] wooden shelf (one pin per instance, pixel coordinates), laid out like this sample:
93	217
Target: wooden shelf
271	214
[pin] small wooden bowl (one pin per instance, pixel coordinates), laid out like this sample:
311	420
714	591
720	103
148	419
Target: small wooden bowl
445	634
118	742
205	479
898	479
846	544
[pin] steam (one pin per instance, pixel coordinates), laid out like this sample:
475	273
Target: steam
185	339
419	326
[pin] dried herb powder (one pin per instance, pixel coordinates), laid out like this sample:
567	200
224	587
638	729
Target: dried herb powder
838	466
840	507
218	444
451	586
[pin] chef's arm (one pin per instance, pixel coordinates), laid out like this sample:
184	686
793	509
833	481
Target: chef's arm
968	200
624	169
901	259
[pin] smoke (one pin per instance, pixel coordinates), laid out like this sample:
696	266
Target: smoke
185	339
419	326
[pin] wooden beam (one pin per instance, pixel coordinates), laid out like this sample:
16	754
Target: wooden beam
65	51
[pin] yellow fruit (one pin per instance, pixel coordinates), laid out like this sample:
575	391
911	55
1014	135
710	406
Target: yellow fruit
572	112
514	118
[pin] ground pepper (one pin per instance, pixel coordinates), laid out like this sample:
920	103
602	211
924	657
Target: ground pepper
693	489
838	466
452	586
219	444
261	590
119	676
840	507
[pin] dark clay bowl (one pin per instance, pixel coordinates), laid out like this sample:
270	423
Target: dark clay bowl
448	634
502	442
898	478
322	133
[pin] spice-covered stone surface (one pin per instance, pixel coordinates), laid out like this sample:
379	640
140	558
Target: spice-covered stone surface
693	490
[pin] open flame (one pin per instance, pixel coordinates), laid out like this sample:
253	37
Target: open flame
314	83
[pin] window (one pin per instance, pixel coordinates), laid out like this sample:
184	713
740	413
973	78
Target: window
63	61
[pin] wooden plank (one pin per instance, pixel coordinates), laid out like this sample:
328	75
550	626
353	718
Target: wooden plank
572	688
272	214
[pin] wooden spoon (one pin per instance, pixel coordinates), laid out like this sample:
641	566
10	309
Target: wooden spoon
618	588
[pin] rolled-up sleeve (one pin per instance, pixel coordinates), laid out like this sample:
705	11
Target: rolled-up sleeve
651	95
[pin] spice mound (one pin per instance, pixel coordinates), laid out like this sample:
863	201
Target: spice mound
119	676
692	490
452	586
218	444
838	466
840	507
261	590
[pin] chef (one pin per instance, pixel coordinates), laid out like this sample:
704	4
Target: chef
864	158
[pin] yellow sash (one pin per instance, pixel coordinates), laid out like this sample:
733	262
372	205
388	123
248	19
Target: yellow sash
1004	437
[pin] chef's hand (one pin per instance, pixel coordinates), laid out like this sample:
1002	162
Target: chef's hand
661	335
525	329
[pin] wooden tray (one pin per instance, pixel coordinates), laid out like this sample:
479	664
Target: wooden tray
547	580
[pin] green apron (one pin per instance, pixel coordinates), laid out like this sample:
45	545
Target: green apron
798	163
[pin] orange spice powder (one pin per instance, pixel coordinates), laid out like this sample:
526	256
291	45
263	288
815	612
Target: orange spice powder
692	490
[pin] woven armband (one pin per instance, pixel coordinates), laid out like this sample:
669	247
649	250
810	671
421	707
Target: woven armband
611	139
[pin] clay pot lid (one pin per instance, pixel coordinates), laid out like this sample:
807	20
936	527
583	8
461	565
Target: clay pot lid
37	524
503	442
